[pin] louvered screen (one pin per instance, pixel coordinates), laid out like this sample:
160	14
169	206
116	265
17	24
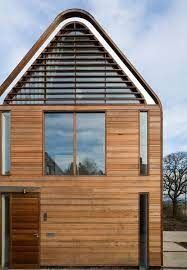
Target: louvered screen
74	69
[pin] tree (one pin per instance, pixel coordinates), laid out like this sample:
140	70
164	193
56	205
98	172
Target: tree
88	167
175	177
69	170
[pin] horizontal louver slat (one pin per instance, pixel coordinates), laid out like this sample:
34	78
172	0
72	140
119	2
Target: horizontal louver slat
74	68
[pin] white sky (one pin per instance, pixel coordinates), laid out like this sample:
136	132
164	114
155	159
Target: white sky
151	33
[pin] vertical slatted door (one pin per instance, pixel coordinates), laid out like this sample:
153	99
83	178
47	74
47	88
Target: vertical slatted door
24	231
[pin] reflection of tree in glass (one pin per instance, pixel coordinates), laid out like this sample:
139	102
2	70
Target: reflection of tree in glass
52	167
69	170
86	167
89	167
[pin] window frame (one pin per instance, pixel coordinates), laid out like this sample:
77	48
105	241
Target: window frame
147	195
1	142
148	140
74	112
43	144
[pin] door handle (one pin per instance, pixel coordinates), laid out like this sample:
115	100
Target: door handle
36	235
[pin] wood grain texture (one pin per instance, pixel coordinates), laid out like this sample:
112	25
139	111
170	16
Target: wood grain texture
26	142
91	220
24	228
0	227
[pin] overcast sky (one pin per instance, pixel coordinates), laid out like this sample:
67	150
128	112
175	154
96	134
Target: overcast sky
151	33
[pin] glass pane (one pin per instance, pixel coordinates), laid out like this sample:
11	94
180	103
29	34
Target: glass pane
90	143
59	143
143	230
143	144
5	143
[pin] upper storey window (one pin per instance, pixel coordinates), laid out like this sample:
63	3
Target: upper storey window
5	143
74	69
143	143
90	137
74	143
58	143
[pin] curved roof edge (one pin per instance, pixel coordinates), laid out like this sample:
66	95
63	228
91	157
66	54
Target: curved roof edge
86	15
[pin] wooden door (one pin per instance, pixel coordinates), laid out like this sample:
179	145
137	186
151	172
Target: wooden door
24	230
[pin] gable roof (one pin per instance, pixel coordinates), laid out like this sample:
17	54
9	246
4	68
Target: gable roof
83	17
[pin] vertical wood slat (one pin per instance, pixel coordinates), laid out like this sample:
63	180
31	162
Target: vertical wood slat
74	145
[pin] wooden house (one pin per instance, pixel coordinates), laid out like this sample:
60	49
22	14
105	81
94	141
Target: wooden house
81	154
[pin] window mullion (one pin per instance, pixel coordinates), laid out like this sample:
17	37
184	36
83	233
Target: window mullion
74	145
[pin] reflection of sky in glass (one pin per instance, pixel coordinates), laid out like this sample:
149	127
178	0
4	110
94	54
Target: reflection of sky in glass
59	139
143	137
91	139
5	142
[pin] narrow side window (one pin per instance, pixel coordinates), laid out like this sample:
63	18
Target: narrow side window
143	143
143	230
5	163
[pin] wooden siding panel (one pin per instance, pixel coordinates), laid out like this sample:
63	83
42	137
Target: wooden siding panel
26	142
24	245
122	142
155	204
91	220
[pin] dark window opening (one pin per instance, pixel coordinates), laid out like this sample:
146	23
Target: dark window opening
143	230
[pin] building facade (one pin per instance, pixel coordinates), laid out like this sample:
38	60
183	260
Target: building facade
81	154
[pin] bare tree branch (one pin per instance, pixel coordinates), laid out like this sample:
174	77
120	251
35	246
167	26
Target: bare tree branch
175	175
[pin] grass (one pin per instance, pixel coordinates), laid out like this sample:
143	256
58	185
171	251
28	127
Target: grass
174	224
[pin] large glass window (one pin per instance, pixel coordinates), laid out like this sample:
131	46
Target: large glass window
59	143
143	143
90	143
74	143
5	143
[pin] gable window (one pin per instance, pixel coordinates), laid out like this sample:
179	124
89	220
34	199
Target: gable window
74	143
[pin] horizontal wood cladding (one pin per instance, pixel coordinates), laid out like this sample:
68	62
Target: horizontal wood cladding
103	232
155	144
24	224
123	142
91	220
26	142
